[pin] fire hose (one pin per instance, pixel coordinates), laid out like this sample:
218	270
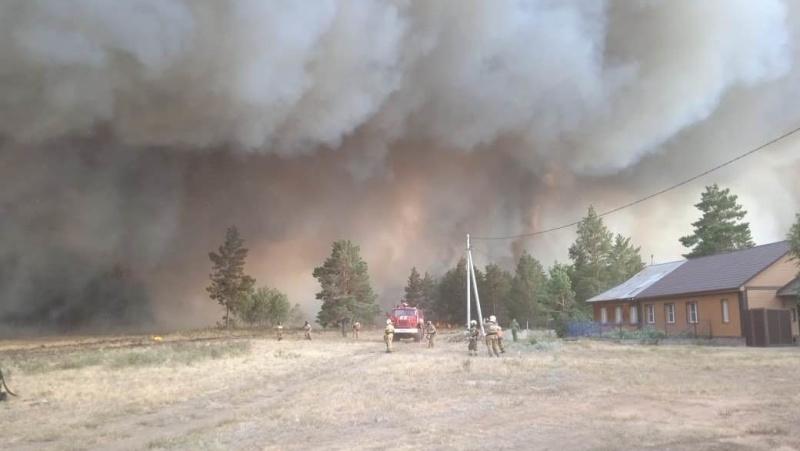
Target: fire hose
3	381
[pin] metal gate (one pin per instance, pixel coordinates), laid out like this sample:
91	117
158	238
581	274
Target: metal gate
769	327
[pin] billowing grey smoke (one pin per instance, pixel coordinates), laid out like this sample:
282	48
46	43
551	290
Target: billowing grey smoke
133	132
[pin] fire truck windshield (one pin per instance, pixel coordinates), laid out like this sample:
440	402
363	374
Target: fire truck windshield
405	312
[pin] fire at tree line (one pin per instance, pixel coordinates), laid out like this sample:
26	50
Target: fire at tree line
531	295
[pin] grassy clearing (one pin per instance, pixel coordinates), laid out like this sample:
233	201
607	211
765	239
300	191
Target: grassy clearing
298	394
181	353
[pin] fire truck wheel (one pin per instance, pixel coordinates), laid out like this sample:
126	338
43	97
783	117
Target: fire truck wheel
417	337
395	337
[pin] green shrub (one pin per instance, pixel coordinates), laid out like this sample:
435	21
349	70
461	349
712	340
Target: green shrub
647	335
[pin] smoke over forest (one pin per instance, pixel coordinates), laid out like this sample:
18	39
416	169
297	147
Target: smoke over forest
132	133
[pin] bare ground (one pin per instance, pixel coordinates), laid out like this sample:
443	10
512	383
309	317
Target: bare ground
206	391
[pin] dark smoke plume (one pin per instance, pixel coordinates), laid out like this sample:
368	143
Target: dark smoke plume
133	132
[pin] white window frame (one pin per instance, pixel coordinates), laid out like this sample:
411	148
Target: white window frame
726	311
650	311
633	313
794	315
618	319
603	315
691	307
669	313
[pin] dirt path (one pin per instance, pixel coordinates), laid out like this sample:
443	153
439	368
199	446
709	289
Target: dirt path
215	409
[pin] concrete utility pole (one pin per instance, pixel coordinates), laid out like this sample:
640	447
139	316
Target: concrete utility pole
469	312
474	283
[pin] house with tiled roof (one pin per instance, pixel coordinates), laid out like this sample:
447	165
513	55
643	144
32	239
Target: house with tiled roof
748	295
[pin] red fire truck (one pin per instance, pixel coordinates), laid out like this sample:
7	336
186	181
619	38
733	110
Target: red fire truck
408	322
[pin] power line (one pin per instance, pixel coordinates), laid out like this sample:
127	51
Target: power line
649	196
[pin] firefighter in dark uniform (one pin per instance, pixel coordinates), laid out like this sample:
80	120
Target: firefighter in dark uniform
472	336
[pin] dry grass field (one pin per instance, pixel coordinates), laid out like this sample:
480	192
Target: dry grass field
245	391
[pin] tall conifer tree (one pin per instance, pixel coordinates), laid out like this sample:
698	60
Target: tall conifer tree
720	228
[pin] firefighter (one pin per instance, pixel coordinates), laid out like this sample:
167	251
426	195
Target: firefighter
279	330
491	337
307	330
388	334
473	335
356	329
499	334
430	333
514	329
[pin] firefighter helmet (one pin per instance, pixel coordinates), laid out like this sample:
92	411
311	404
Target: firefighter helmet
388	321
473	323
492	319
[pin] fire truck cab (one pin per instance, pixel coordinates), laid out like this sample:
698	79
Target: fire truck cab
408	322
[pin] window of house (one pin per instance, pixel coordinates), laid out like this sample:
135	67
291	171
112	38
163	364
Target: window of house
651	313
669	312
634	314
691	312
603	315
726	316
618	314
794	315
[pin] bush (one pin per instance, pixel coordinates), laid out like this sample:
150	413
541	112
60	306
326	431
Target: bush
647	335
266	306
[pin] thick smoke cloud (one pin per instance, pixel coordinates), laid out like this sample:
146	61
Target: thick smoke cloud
132	133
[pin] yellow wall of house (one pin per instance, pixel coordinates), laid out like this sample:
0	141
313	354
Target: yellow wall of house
764	298
709	315
776	275
762	289
611	309
709	320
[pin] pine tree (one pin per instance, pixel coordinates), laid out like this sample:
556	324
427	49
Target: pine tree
561	298
429	287
590	255
450	300
496	288
623	261
346	291
720	228
414	289
794	239
560	295
229	284
527	295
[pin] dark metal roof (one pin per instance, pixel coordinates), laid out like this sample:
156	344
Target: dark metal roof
791	289
726	271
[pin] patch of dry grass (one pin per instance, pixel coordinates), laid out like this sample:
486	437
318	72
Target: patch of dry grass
299	394
178	353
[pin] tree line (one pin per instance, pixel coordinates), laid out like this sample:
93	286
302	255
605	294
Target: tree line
528	292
